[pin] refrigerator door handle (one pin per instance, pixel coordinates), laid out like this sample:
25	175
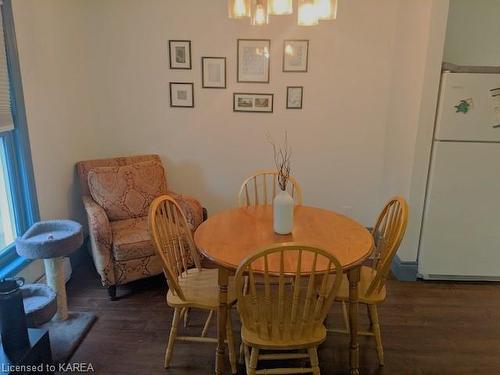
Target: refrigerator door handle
496	126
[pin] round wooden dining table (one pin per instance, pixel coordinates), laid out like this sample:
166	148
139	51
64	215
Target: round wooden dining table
228	237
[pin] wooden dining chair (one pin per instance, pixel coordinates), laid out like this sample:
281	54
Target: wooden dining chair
286	317
262	187
189	288
387	235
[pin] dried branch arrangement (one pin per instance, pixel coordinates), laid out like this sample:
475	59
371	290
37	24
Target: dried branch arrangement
282	156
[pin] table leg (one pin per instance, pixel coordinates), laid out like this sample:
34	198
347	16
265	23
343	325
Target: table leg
354	275
221	321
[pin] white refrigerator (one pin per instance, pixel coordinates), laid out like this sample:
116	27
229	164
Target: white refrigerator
460	237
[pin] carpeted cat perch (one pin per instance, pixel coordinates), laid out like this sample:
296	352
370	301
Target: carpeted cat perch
52	241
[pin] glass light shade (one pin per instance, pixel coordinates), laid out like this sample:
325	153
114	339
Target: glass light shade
280	7
260	14
238	8
307	14
327	9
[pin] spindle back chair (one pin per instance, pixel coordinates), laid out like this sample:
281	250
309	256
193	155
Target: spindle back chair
189	287
173	241
286	316
387	233
262	187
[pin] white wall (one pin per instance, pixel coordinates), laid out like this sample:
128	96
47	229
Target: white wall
96	79
58	97
473	31
415	83
409	58
337	139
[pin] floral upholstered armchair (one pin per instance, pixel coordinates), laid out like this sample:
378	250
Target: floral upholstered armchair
116	194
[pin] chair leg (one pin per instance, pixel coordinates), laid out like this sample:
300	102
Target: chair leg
246	354
252	366
241	360
313	356
346	317
207	324
112	292
369	315
186	317
171	338
376	331
230	342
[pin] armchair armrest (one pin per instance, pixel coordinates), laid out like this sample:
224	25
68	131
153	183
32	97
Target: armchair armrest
192	208
101	239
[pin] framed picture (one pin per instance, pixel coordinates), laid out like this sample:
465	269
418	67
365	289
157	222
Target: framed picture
295	55
294	97
180	54
181	94
253	60
213	72
258	103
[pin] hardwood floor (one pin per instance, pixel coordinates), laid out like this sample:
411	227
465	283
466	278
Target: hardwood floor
427	328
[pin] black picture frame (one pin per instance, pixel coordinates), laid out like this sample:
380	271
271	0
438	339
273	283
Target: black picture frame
268	41
301	96
305	70
170	55
235	109
203	72
172	84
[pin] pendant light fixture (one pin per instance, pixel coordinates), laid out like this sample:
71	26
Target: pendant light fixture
280	7
327	9
260	12
238	8
307	14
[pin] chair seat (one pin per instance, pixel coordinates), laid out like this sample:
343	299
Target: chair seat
131	239
367	275
311	338
200	290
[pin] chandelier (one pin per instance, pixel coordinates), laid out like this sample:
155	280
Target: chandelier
309	12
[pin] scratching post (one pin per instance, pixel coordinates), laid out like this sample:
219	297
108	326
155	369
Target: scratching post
54	273
52	241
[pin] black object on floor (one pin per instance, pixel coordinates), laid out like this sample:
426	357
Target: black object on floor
12	319
37	354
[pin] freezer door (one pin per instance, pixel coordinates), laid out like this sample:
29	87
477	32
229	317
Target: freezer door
469	107
461	229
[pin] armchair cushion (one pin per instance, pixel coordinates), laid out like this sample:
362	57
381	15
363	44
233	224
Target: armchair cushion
131	239
126	192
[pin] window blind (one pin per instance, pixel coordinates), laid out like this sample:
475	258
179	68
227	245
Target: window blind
6	121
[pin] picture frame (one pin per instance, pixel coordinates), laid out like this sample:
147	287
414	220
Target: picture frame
294	96
252	102
179	54
295	55
181	94
253	60
213	72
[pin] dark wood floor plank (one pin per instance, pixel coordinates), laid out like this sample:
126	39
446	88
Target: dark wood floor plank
427	328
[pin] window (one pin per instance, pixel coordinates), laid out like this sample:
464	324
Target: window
7	229
18	205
